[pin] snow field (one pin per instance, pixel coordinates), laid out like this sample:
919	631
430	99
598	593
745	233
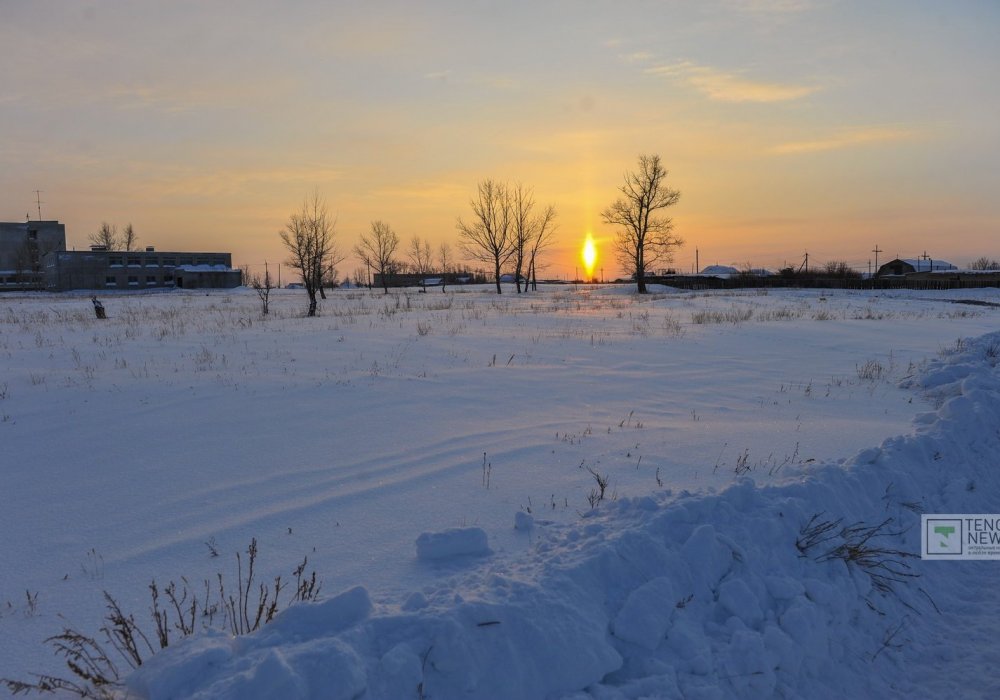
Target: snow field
345	437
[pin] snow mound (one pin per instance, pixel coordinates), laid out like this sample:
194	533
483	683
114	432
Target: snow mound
712	596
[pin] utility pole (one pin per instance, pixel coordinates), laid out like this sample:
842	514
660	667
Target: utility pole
877	250
925	257
697	266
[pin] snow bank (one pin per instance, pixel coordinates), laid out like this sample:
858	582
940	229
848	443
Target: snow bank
671	596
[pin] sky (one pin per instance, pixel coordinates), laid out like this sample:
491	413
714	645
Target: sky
789	126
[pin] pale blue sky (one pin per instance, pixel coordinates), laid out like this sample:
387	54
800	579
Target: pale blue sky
788	125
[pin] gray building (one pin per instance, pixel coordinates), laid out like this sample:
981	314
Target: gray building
23	246
149	269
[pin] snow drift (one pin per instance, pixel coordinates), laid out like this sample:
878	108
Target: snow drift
673	595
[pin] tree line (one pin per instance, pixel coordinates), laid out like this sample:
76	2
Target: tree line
506	230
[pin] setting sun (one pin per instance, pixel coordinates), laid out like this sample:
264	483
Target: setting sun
589	256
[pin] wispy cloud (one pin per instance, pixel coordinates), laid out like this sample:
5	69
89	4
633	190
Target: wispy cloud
730	87
846	139
637	57
439	75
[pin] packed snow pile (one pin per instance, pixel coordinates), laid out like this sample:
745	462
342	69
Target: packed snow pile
811	587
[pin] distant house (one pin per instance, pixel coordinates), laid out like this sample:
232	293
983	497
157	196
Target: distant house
908	266
22	247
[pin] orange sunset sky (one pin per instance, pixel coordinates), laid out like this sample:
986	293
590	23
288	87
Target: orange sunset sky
788	125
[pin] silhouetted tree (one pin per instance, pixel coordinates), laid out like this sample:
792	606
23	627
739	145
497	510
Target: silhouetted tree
263	287
444	258
106	236
376	249
308	236
643	239
129	238
542	228
984	263
488	237
420	258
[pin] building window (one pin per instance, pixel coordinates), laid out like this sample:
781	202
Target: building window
169	262
110	281
115	261
187	261
133	280
150	280
168	280
134	261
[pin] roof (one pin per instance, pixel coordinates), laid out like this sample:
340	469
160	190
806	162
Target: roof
715	270
928	265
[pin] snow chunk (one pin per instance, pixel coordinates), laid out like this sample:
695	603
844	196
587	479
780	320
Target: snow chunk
646	614
523	521
310	620
454	542
737	598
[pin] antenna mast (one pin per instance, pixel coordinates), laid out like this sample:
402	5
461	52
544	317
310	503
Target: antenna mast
38	201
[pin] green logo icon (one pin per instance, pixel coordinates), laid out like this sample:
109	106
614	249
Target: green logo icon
945	531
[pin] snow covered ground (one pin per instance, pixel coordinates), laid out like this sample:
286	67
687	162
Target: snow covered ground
398	440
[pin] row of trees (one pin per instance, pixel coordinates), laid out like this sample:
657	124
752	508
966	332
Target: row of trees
506	230
377	250
109	237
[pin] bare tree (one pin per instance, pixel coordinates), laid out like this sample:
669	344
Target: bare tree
643	239
444	258
420	258
984	263
543	228
839	268
522	201
129	238
308	236
376	250
488	238
106	236
263	287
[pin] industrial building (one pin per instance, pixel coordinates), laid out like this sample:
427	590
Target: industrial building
23	245
33	255
149	269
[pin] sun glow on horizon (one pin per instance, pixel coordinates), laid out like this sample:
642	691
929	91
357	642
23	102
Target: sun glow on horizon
589	255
